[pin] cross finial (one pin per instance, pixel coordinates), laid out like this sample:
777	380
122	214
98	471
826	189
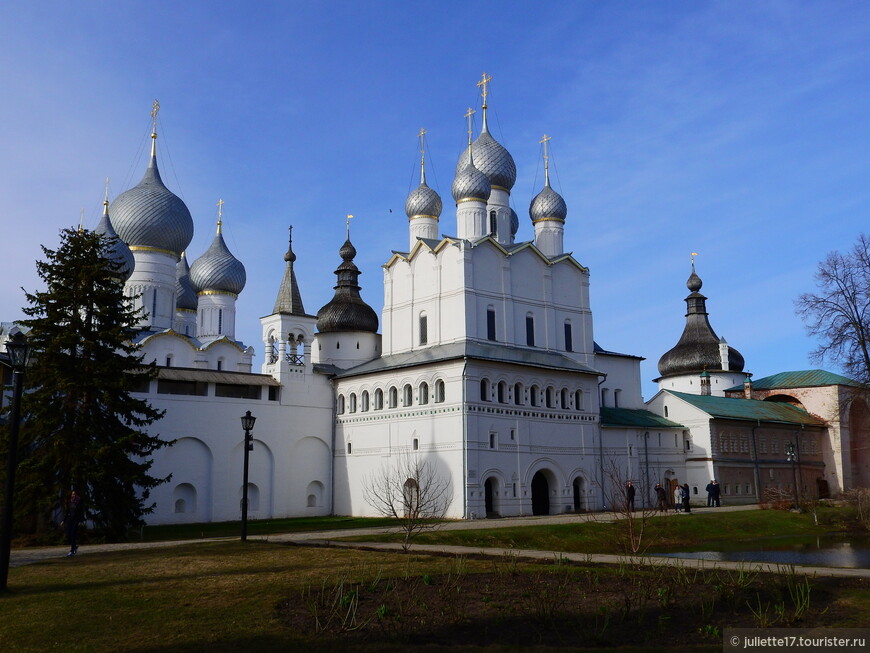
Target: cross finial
82	220
154	109
347	225
544	141
220	206
484	80
421	136
106	200
694	254
467	116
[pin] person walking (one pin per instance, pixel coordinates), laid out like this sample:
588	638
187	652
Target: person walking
661	498
678	498
685	493
629	496
709	489
71	520
717	492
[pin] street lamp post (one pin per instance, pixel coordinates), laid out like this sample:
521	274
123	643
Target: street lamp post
790	455
248	426
17	348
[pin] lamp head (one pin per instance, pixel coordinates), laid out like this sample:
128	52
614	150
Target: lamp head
248	421
17	348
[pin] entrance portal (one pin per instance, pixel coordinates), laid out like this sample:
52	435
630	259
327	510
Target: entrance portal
578	494
540	494
489	493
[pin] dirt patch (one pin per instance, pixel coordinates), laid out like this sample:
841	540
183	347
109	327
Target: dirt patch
564	605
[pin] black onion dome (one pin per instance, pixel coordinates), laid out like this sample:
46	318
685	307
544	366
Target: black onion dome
117	250
218	269
185	295
347	311
492	159
150	215
698	347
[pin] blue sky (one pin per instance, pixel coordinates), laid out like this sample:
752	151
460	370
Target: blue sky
740	131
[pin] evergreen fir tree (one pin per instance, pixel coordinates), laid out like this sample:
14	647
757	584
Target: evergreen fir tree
82	428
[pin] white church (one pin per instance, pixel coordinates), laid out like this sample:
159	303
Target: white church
485	365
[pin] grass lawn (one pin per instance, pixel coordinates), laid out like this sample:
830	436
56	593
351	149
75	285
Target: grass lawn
261	596
662	534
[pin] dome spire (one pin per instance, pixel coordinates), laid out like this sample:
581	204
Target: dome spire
220	221
484	80
467	116
289	300
347	226
422	137
155	108
544	141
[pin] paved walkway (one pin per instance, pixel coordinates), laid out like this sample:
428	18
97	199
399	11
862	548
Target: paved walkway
26	556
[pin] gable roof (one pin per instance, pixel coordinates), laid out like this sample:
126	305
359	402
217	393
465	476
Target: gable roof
748	409
634	417
799	379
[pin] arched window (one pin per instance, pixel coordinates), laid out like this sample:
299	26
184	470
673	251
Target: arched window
365	401
490	323
379	399
549	397
493	223
393	397
416	444
352	402
569	338
439	391
534	394
530	330
340	410
518	394
424	329
578	400
563	399
407	395
349	447
501	392
484	390
424	394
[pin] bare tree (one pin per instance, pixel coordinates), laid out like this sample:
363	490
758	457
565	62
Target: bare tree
637	529
839	315
410	490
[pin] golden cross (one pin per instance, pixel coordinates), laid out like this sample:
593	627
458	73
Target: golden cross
484	80
422	133
154	109
468	115
544	141
694	254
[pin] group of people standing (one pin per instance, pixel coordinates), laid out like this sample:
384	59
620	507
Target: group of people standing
681	496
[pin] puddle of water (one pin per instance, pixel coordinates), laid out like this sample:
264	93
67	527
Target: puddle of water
818	551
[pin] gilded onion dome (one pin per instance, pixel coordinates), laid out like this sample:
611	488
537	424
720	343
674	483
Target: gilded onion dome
185	295
699	347
149	215
347	311
217	269
117	250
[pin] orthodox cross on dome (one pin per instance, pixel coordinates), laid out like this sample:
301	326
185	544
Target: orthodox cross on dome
544	141
694	254
82	220
106	199
422	136
484	80
467	116
347	226
220	206
155	108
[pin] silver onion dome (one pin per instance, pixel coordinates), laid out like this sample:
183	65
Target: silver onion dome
492	159
117	250
150	215
423	202
217	269
548	205
184	293
470	183
515	223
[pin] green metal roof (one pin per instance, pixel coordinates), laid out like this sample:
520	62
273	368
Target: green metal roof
635	417
801	379
749	409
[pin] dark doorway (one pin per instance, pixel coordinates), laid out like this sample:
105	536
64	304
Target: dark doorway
540	495
489	490
578	494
